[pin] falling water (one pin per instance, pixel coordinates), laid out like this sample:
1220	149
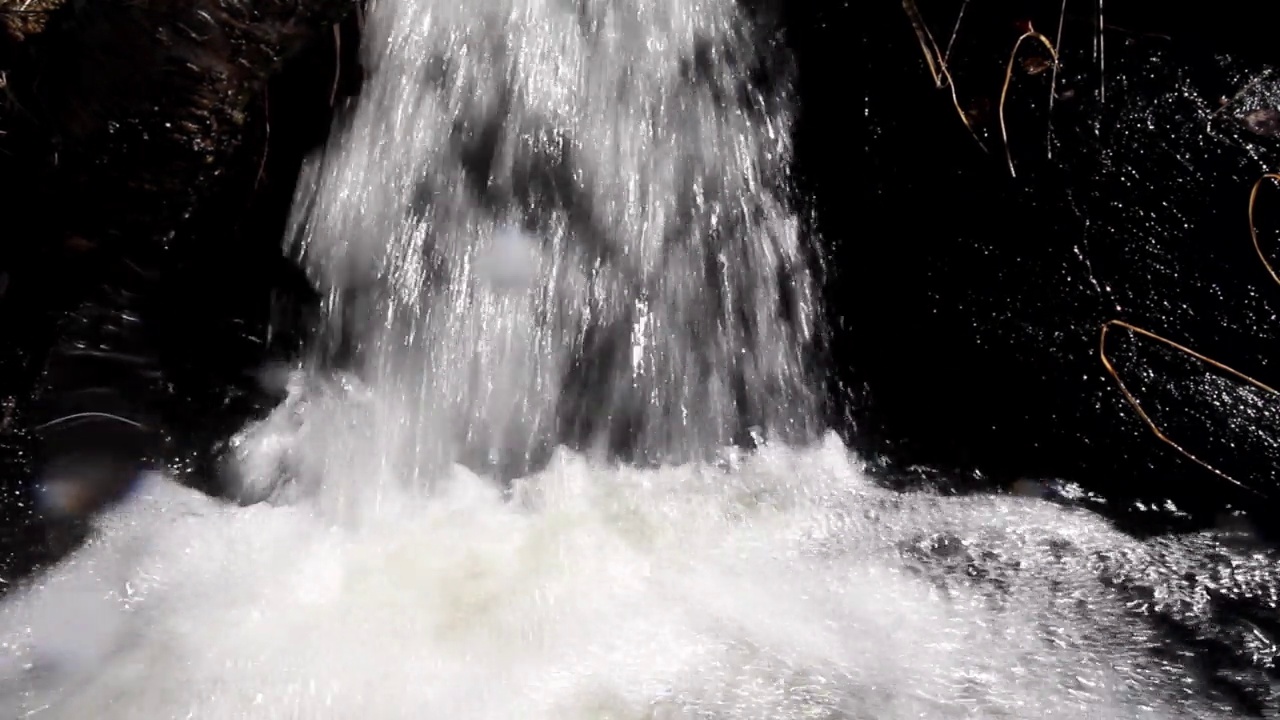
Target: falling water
553	235
619	155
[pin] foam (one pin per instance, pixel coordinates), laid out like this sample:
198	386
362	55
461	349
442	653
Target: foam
773	587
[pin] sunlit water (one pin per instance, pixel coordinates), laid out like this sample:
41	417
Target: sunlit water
564	222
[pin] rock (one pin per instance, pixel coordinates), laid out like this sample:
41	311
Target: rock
21	19
971	331
133	146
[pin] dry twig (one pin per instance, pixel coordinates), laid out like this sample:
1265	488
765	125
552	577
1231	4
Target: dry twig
937	62
1008	76
266	139
1133	401
337	63
1253	228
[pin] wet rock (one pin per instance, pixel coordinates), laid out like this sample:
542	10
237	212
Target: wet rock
136	156
972	339
21	19
1264	121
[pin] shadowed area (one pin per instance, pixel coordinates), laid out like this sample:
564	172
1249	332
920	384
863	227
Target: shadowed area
1134	163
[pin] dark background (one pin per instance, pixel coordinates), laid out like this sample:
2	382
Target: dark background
967	304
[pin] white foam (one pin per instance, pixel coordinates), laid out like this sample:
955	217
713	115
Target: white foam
773	590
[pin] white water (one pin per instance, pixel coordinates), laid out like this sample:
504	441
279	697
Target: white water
645	178
769	588
384	581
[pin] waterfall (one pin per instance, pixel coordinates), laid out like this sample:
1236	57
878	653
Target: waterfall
562	222
553	234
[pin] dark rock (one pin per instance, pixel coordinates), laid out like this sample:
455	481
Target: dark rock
21	19
1265	121
969	301
135	156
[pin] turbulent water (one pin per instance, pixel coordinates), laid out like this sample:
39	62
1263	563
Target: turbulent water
775	587
622	152
564	223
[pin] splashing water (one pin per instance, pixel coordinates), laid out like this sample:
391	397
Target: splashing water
777	587
668	302
560	222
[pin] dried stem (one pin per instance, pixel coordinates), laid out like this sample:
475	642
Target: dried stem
1053	78
1253	228
938	65
337	63
1008	76
266	140
955	32
1133	401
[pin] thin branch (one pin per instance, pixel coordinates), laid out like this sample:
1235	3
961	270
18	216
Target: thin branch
337	63
938	65
266	140
1253	228
955	32
1151	424
1102	55
1008	76
1053	78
